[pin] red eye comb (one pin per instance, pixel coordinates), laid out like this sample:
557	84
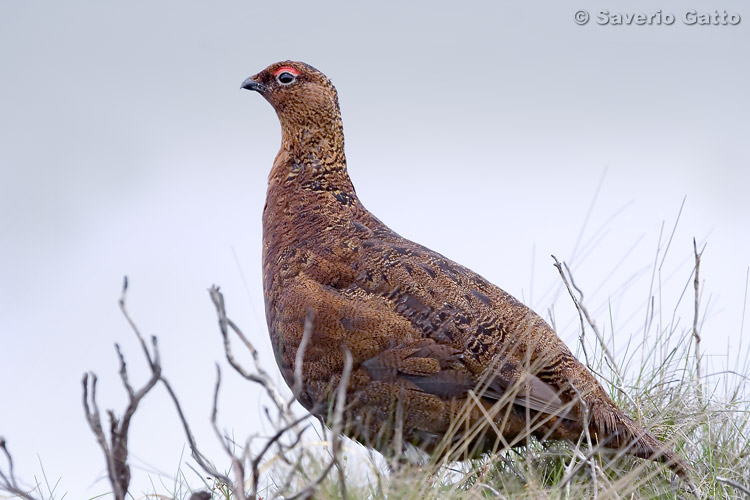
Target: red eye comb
286	69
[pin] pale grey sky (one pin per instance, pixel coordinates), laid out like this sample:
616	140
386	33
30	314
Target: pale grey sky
480	130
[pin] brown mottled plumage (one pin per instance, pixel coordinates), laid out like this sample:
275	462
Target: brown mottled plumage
426	334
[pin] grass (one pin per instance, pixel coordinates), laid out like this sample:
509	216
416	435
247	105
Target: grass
660	381
709	430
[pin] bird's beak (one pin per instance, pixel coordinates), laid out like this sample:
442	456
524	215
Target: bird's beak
251	84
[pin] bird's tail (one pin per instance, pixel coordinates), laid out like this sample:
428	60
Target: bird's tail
623	433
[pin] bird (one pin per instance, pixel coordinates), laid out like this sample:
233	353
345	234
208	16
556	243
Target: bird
440	358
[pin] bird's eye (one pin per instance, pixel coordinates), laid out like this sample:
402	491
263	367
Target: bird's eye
286	78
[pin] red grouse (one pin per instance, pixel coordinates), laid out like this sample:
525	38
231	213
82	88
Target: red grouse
442	359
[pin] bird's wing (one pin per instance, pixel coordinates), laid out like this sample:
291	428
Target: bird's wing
425	363
437	369
396	334
527	390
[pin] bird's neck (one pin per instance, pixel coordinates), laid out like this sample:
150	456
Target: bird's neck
312	157
321	137
308	189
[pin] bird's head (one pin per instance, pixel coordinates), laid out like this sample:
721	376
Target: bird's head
307	105
297	91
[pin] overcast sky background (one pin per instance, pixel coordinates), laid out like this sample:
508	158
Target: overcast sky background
496	133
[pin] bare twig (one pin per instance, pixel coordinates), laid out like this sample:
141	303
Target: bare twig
696	335
255	463
734	484
238	464
238	461
261	376
153	361
587	433
201	459
338	419
583	312
116	451
581	338
8	481
609	356
565	482
336	430
299	358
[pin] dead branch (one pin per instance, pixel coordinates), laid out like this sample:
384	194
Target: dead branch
114	441
8	480
116	450
336	431
238	466
581	338
255	463
583	312
242	462
696	335
237	460
299	358
734	484
338	420
201	459
261	376
608	354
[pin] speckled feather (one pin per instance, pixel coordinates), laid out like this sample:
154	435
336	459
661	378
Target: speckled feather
425	333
